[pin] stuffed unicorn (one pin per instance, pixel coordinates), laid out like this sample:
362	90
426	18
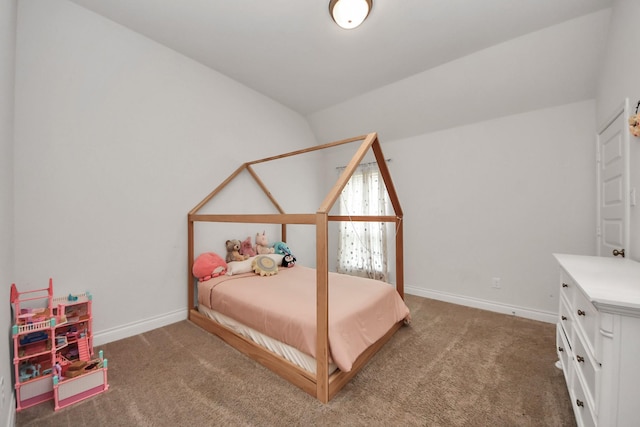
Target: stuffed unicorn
262	244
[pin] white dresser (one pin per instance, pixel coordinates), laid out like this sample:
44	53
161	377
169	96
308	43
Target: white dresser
598	338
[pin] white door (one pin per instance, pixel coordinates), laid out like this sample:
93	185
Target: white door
613	185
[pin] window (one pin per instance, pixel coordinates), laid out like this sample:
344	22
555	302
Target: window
362	246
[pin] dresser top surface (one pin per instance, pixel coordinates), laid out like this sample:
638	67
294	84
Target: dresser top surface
607	282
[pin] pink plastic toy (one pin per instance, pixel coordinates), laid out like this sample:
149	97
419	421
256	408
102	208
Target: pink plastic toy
58	370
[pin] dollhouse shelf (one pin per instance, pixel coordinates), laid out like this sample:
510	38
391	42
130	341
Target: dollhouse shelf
53	352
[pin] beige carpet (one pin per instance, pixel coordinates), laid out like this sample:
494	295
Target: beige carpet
454	366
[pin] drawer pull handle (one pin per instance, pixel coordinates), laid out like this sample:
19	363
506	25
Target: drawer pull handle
564	317
560	349
581	313
580	403
564	285
580	359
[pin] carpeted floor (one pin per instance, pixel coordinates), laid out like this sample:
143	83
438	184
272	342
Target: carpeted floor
453	366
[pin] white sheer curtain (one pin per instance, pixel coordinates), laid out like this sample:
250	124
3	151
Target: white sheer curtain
362	246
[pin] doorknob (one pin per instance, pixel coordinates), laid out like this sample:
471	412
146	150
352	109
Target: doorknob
618	252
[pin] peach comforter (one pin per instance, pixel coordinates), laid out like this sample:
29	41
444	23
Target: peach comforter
283	306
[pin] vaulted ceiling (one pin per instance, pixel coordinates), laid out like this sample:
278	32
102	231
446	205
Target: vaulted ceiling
291	50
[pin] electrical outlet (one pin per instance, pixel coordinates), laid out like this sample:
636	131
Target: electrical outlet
495	283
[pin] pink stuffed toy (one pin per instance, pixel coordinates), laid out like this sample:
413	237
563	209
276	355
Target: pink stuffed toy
208	265
262	244
246	248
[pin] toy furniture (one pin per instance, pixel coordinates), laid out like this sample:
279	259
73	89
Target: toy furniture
322	382
82	381
50	335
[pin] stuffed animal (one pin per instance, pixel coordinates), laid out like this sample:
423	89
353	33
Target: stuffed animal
233	251
288	260
262	244
208	265
634	124
246	248
264	266
281	248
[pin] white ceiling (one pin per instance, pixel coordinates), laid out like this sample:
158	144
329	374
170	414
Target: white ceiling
291	50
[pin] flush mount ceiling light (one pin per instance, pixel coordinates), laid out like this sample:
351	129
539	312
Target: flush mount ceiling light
348	14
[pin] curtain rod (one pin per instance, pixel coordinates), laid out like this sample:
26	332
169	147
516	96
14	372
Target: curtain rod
364	164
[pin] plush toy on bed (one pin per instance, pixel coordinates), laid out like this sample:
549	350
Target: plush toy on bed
208	265
246	248
281	248
264	266
262	244
233	251
288	260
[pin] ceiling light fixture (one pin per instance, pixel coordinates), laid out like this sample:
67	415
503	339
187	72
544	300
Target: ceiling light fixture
349	14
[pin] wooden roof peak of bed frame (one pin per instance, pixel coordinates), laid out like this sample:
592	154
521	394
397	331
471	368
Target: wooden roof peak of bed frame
322	386
369	141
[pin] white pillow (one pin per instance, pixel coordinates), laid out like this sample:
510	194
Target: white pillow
239	267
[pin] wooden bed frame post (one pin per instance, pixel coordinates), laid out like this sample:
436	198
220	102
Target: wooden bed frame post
190	259
322	307
400	257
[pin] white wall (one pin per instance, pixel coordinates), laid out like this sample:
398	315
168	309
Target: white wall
496	199
117	138
7	68
619	80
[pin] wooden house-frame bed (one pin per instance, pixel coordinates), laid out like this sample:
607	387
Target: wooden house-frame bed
323	385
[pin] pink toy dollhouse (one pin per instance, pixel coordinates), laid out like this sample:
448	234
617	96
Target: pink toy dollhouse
53	349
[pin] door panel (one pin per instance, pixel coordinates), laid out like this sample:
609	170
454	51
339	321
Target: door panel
613	235
613	185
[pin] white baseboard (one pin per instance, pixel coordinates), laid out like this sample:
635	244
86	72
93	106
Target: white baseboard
528	313
11	413
141	326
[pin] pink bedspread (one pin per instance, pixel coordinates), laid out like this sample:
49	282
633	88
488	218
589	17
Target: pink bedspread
283	307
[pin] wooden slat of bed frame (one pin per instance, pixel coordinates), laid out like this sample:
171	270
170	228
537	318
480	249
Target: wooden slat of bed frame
336	190
218	188
257	218
310	149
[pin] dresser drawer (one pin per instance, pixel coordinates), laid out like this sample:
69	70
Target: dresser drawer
565	319
587	323
586	371
564	352
581	407
567	286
